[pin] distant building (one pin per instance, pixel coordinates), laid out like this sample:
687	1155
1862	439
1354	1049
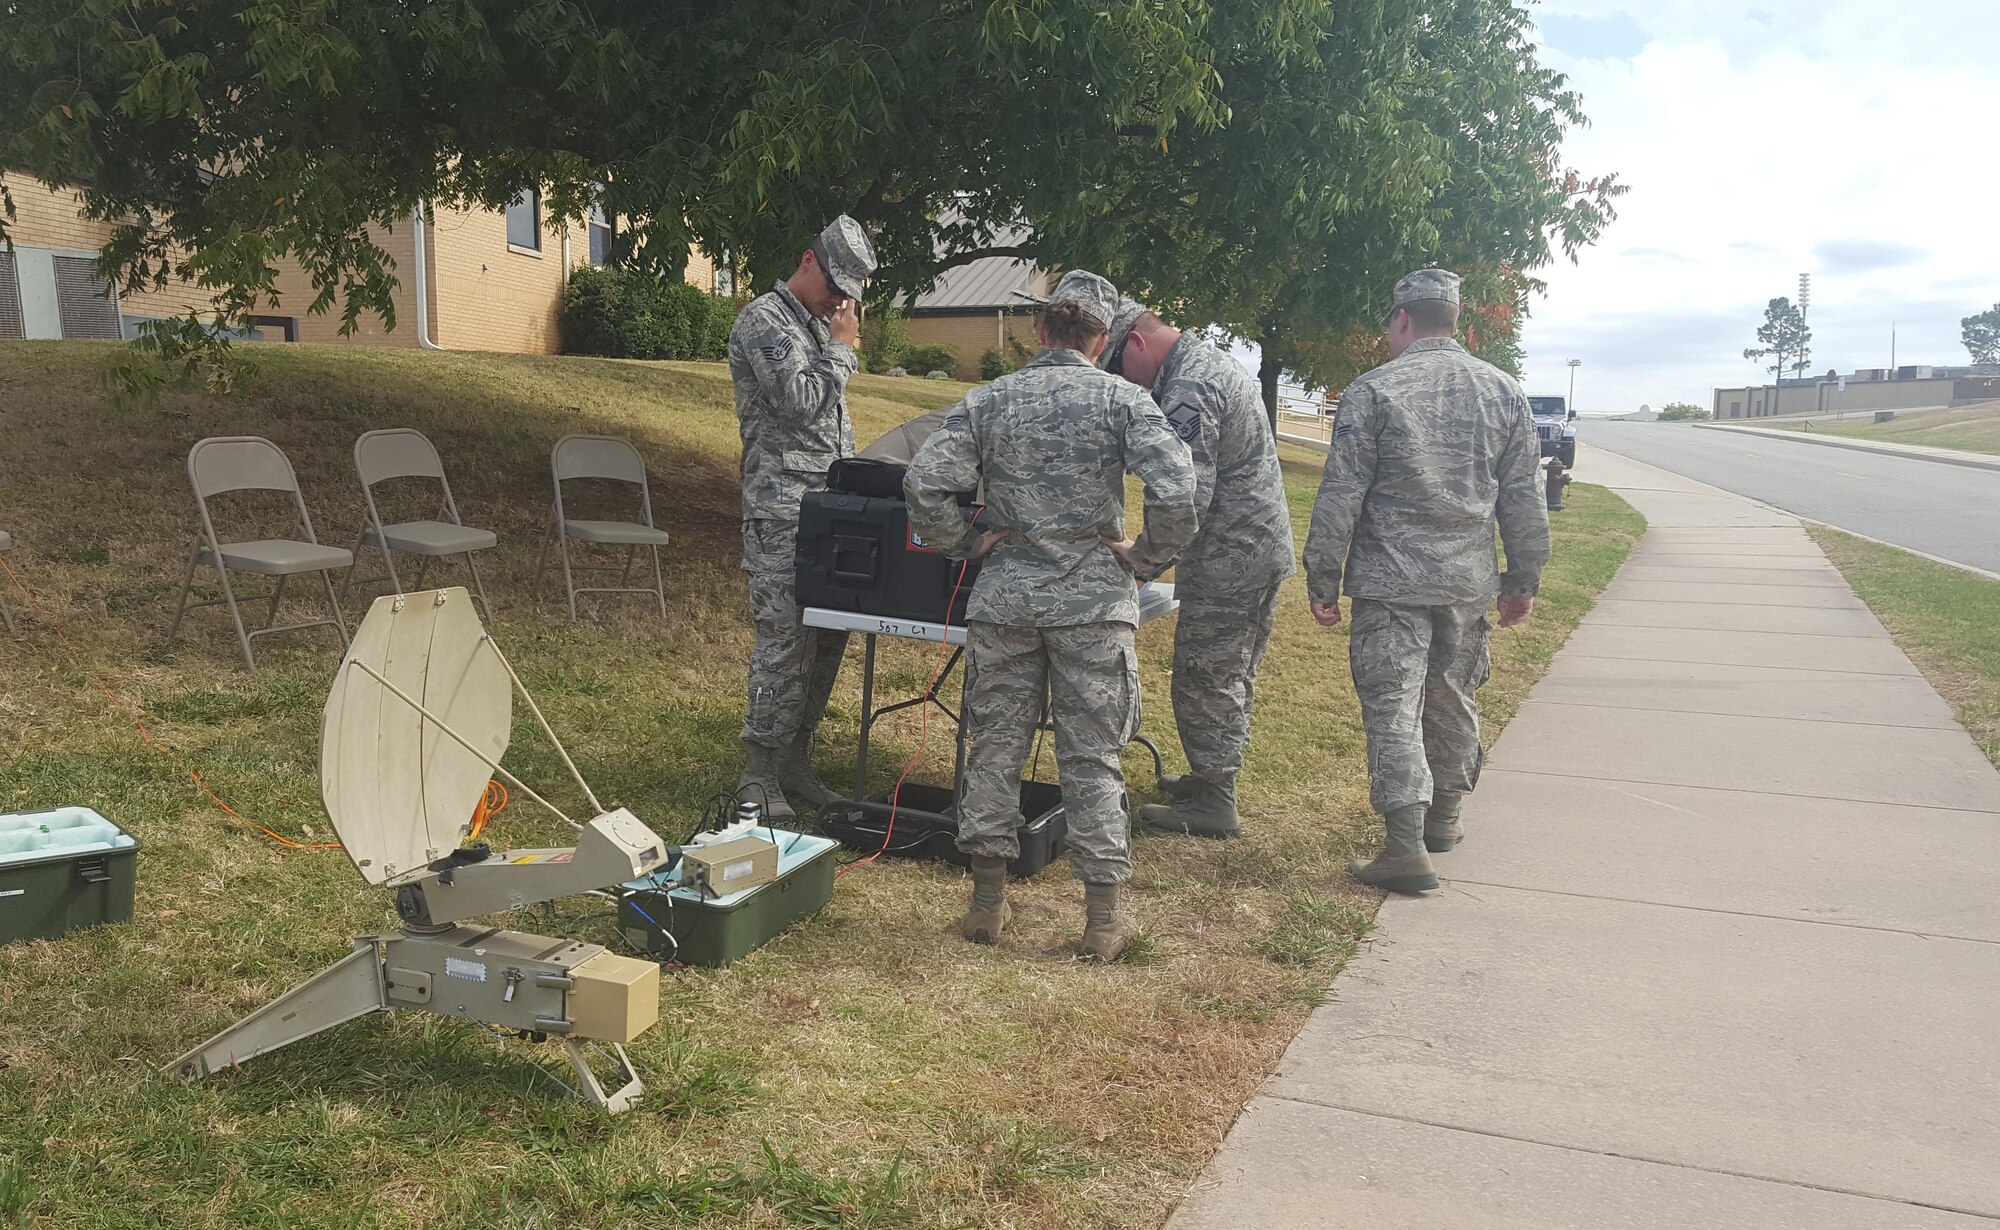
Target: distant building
1869	388
488	280
989	304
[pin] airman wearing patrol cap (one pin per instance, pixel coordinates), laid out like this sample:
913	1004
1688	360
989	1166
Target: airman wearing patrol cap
790	355
1429	451
1054	609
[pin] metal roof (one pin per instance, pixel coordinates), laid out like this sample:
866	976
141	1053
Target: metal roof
989	282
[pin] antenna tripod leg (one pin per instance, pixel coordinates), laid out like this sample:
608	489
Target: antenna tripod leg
618	1099
348	988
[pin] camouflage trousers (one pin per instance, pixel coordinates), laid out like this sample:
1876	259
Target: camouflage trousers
1416	669
792	667
1089	675
1219	641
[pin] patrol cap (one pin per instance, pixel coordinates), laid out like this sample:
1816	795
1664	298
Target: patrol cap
1439	284
1095	295
847	256
1128	313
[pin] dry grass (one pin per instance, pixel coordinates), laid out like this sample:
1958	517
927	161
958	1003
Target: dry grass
1975	429
867	1069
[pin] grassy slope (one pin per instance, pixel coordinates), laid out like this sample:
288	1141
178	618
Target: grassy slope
1975	429
895	1075
1946	619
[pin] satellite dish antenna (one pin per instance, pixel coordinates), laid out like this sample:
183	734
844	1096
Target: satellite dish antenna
415	725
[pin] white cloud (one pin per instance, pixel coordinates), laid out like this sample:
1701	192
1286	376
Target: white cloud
1830	138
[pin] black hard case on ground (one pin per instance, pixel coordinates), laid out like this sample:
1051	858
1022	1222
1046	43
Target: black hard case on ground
855	551
926	826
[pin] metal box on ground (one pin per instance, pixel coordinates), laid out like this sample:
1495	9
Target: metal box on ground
926	826
63	870
719	930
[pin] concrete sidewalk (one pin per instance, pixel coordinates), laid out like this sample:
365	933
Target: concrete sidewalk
1721	950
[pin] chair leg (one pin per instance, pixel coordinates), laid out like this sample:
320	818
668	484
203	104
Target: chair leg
339	616
235	615
631	551
6	616
423	568
389	563
569	580
659	582
277	596
478	586
347	579
187	584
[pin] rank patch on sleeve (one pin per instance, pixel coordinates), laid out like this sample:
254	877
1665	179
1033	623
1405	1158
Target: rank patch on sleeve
1185	418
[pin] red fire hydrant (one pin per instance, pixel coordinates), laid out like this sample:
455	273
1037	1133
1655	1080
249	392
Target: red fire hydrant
1558	479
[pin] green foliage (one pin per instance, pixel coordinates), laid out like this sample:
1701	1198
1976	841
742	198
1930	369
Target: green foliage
634	314
1981	334
1786	339
996	363
1681	412
930	357
885	335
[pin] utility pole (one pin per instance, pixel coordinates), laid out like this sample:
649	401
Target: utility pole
1573	365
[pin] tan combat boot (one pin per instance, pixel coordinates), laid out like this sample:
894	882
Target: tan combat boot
1207	809
1105	930
1402	866
989	913
759	783
1442	830
796	777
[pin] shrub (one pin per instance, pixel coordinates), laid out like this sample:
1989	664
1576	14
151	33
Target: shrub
634	314
1681	412
995	364
885	336
930	357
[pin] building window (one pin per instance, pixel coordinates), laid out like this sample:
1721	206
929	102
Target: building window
85	302
268	328
725	275
600	236
524	221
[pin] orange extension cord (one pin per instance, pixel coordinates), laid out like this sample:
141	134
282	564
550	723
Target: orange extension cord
491	804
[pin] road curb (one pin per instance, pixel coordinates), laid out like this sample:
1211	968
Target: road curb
1972	461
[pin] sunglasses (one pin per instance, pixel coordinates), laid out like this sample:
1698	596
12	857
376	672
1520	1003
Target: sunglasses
819	259
1115	365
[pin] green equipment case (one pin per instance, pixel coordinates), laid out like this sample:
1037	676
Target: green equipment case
670	923
61	871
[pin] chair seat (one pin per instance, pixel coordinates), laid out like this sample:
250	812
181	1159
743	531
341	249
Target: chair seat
6	541
620	532
433	538
280	556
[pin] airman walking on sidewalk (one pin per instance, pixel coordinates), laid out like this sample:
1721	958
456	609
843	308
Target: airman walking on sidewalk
1430	449
790	355
1227	579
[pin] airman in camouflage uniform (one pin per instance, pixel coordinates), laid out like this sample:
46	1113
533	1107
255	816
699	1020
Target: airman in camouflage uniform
1428	451
1227	579
1055	607
790	354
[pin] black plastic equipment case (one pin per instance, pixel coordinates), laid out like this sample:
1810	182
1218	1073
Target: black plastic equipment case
856	552
927	827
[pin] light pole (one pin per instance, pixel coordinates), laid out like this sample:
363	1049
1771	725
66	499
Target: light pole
1573	365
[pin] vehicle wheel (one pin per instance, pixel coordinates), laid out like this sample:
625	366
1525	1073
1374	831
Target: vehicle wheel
1567	454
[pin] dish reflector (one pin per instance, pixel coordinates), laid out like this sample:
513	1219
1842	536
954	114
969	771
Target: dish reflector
399	791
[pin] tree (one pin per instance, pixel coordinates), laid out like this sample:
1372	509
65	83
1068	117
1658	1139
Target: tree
1785	338
225	136
1681	412
1981	334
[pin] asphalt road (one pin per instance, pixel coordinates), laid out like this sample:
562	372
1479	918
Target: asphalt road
1945	510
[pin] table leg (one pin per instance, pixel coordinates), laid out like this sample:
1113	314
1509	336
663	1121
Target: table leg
867	716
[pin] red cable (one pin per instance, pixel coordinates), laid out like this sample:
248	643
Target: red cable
923	729
138	720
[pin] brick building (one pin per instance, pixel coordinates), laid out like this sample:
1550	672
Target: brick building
987	305
485	280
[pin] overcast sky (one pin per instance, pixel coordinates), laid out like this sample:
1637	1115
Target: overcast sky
1851	139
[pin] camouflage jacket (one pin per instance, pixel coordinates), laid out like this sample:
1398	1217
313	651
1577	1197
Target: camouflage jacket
1428	450
1245	541
791	381
1052	443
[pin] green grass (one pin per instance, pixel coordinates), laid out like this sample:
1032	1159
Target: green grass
1946	619
1973	429
865	1069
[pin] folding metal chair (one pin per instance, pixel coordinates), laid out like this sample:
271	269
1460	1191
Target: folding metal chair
604	457
6	616
221	464
401	452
